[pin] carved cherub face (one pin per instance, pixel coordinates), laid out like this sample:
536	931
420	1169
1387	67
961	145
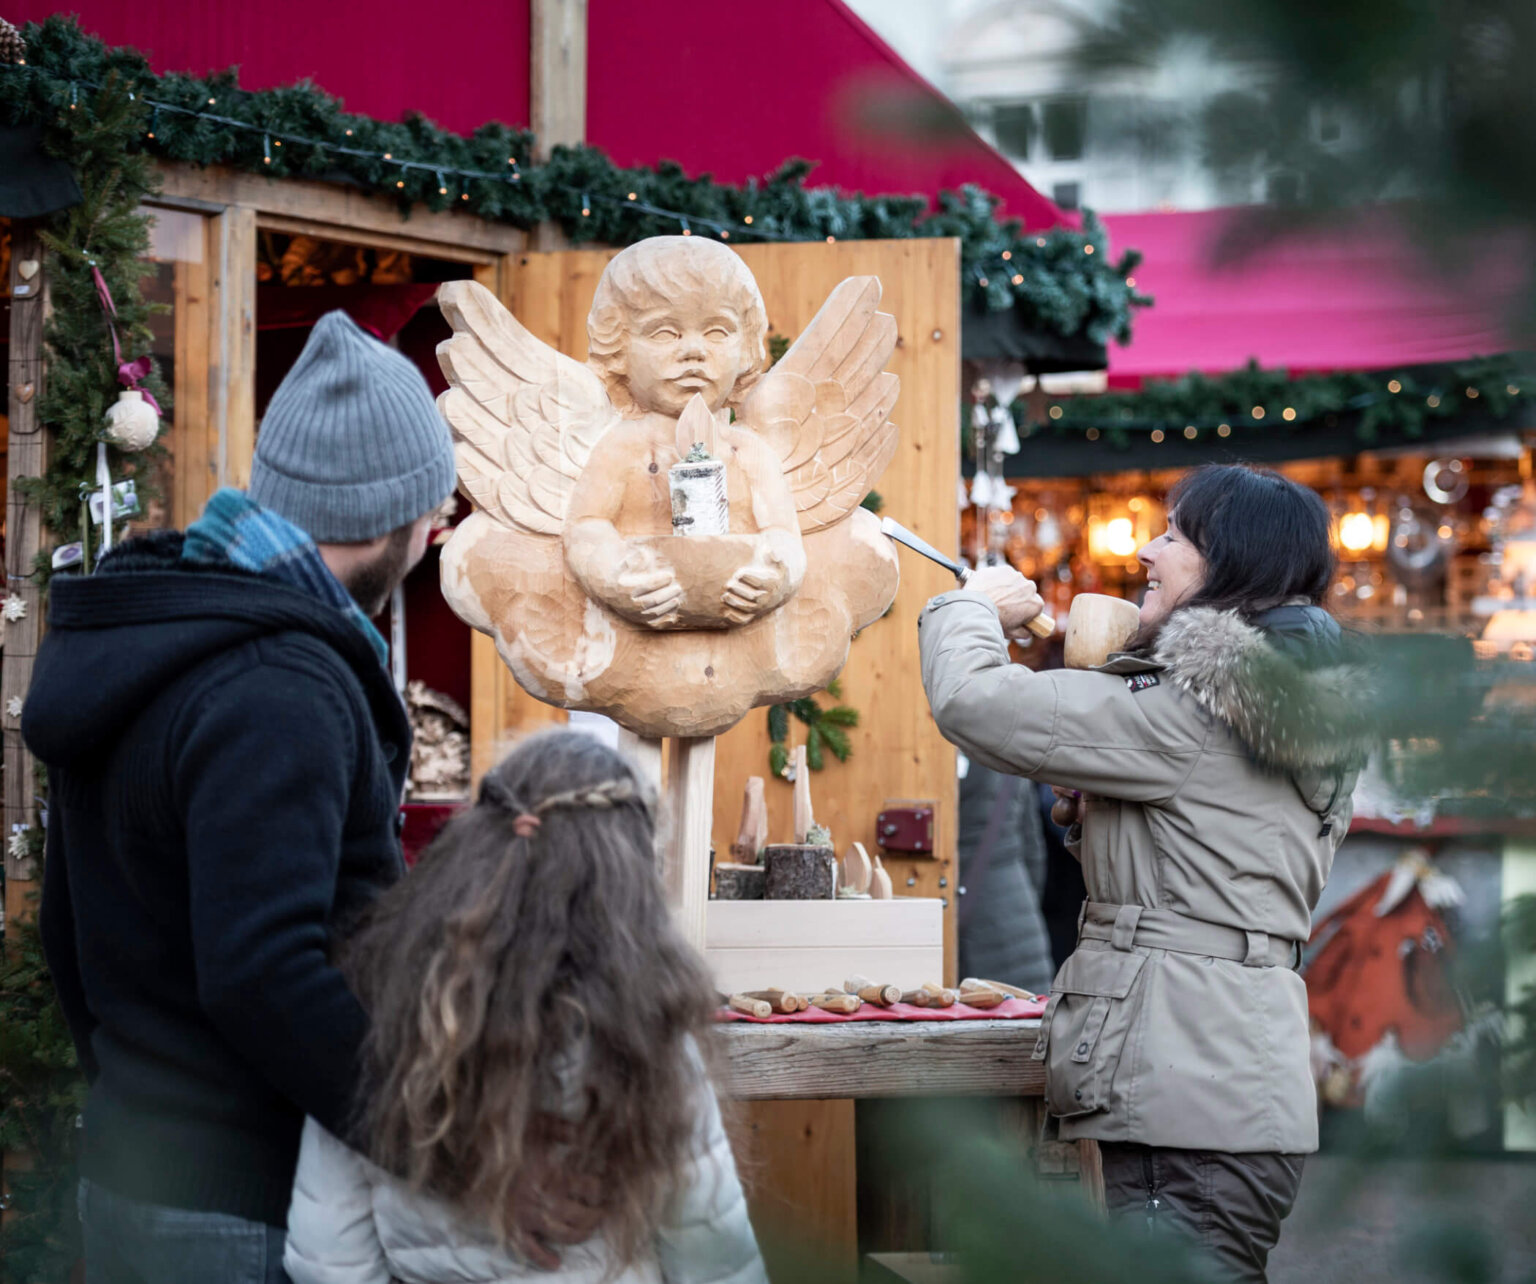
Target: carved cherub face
673	317
694	345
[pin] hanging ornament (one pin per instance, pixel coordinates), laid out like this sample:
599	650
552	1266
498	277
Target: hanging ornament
1005	433
132	423
15	608
1445	480
1417	553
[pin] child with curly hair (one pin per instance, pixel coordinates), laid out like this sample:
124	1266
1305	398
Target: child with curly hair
536	1021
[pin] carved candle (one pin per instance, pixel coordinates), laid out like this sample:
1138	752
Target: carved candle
699	503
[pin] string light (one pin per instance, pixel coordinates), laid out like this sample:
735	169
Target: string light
442	184
1432	400
1191	431
748	220
1092	434
725	234
1258	412
1131	281
1055	412
1223	430
1512	389
210	102
154	119
1157	435
1040	241
389	156
1472	394
266	150
1394	386
1087	249
683	219
74	95
349	133
831	240
586	206
1288	414
632	196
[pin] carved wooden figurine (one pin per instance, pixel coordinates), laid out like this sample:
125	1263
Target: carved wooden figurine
583	475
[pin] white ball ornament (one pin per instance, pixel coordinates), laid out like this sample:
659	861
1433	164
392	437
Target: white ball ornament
132	423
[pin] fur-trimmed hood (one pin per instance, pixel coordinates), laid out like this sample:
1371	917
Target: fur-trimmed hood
1293	715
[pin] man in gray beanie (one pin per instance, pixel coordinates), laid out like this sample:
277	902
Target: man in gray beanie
226	757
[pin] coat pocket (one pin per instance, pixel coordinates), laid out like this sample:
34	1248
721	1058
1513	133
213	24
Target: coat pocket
1084	1028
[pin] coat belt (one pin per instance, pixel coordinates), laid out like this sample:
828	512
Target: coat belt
1124	926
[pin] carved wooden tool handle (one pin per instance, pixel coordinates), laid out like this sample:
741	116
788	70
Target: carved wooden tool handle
982	998
752	1007
938	996
847	1004
782	1001
973	983
870	992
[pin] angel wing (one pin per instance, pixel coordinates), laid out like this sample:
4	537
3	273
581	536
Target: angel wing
524	416
823	408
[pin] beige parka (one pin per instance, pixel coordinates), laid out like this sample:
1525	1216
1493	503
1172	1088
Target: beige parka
1217	777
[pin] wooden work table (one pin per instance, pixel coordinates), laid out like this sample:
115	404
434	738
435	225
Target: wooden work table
820	1103
865	1059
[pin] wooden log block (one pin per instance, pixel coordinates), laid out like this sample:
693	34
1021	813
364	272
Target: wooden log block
735	882
799	872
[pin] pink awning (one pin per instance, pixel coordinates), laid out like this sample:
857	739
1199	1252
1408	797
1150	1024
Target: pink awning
1358	298
734	90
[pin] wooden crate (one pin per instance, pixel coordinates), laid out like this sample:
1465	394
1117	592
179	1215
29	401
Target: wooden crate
811	946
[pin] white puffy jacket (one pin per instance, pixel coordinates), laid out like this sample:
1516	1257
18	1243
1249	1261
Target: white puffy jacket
350	1222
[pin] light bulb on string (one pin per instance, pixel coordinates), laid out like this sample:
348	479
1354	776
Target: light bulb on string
154	119
442	184
725	234
748	220
586	206
266	150
74	95
683	220
1007	254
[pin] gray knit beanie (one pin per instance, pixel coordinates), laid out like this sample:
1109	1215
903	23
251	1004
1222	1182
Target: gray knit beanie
351	446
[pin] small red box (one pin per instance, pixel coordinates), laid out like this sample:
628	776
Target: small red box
905	829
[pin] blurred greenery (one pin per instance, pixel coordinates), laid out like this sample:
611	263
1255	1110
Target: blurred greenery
1434	101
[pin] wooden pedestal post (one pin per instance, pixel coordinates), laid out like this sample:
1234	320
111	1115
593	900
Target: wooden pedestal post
684	767
26	457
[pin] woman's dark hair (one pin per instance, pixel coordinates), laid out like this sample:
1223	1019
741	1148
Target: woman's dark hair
532	1006
1264	539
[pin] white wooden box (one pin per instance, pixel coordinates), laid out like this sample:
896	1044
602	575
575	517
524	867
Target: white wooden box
811	946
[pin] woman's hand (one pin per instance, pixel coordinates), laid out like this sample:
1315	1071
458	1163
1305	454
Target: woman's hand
1014	596
1067	810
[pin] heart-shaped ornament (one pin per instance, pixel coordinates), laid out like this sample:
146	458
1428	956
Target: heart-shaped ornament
25	392
27	269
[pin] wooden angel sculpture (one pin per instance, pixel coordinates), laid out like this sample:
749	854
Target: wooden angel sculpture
582	475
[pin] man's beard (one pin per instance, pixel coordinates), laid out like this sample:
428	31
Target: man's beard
371	583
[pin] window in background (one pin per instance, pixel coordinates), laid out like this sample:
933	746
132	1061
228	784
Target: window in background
1014	127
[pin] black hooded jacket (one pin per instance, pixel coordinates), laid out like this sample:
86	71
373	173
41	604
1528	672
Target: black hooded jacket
225	758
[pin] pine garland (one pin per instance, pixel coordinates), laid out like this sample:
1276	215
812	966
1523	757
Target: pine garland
1254	400
106	231
1061	280
826	730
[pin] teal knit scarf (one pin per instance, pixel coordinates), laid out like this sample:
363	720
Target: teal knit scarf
237	531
